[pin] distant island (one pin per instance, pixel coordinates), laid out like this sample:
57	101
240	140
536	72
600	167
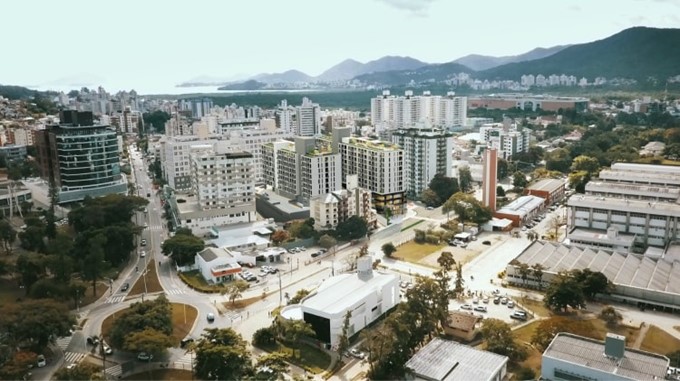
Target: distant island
247	85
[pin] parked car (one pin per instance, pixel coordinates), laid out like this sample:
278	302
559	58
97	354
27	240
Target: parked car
125	287
143	356
142	253
519	315
485	300
357	354
263	272
272	270
143	242
316	254
106	349
466	307
210	317
504	300
323	251
453	243
496	300
41	361
480	308
488	243
475	300
511	304
430	208
93	340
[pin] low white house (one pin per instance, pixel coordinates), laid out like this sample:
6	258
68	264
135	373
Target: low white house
218	265
366	294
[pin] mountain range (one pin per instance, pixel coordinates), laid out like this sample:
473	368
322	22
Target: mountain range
635	53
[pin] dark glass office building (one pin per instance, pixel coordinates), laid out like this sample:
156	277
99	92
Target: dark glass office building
82	158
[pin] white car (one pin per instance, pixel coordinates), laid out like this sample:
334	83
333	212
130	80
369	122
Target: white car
466	307
41	361
357	354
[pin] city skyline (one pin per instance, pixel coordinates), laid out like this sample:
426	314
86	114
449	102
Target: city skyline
147	47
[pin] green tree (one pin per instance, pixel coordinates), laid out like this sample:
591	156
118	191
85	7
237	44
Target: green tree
33	238
17	367
524	272
537	272
502	169
585	163
592	283
443	187
93	264
31	267
354	227
264	337
388	249
148	340
548	328
221	354
500	192
327	242
468	208
578	181
499	339
182	248
564	291
235	290
276	364
465	179
430	198
7	236
299	295
37	321
519	180
151	314
82	371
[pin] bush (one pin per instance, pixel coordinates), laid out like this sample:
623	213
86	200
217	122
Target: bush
264	337
525	373
420	236
431	238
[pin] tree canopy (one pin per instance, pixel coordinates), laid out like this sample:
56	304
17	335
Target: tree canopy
468	208
221	354
182	248
151	318
354	227
439	190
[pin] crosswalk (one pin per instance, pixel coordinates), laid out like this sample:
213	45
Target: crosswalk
73	357
185	361
63	342
114	371
175	291
115	299
155	228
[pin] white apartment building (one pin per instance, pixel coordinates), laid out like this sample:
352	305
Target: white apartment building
304	168
307	118
223	190
389	111
252	140
636	199
332	208
508	141
177	125
427	152
175	157
381	168
285	117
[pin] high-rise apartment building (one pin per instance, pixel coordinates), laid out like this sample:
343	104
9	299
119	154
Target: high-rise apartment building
332	208
80	157
509	140
380	167
427	152
199	107
306	168
307	118
490	178
284	117
389	111
223	190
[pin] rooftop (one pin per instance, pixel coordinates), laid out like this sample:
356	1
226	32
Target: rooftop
601	237
633	189
339	293
447	361
589	353
628	205
522	205
548	185
209	254
379	145
241	235
620	268
461	320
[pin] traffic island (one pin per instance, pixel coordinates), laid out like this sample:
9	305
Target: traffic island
147	283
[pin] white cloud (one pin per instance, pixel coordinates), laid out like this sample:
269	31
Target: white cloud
418	7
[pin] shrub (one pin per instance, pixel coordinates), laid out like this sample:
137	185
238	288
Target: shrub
264	337
525	373
431	238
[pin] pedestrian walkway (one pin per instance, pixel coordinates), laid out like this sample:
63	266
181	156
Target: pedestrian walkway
115	299
115	371
155	228
184	362
175	291
73	357
63	342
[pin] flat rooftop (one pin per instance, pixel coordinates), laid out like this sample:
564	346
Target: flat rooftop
633	189
339	293
522	205
548	185
280	202
242	234
626	205
448	361
600	236
589	353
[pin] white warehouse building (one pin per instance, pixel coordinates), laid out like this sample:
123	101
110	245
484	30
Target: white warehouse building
366	294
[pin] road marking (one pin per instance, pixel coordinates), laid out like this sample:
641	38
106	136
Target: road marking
174	292
115	370
63	342
115	299
73	357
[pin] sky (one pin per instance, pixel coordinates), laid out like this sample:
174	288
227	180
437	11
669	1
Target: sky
152	44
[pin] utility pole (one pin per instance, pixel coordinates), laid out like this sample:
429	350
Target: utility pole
280	290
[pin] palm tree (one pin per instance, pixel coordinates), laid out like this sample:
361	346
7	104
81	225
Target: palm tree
538	274
524	271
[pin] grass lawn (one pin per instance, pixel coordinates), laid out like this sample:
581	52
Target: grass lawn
162	374
308	357
659	341
89	297
414	252
243	303
535	306
152	282
196	281
180	327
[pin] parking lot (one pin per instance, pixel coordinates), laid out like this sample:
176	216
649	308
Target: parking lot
496	311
